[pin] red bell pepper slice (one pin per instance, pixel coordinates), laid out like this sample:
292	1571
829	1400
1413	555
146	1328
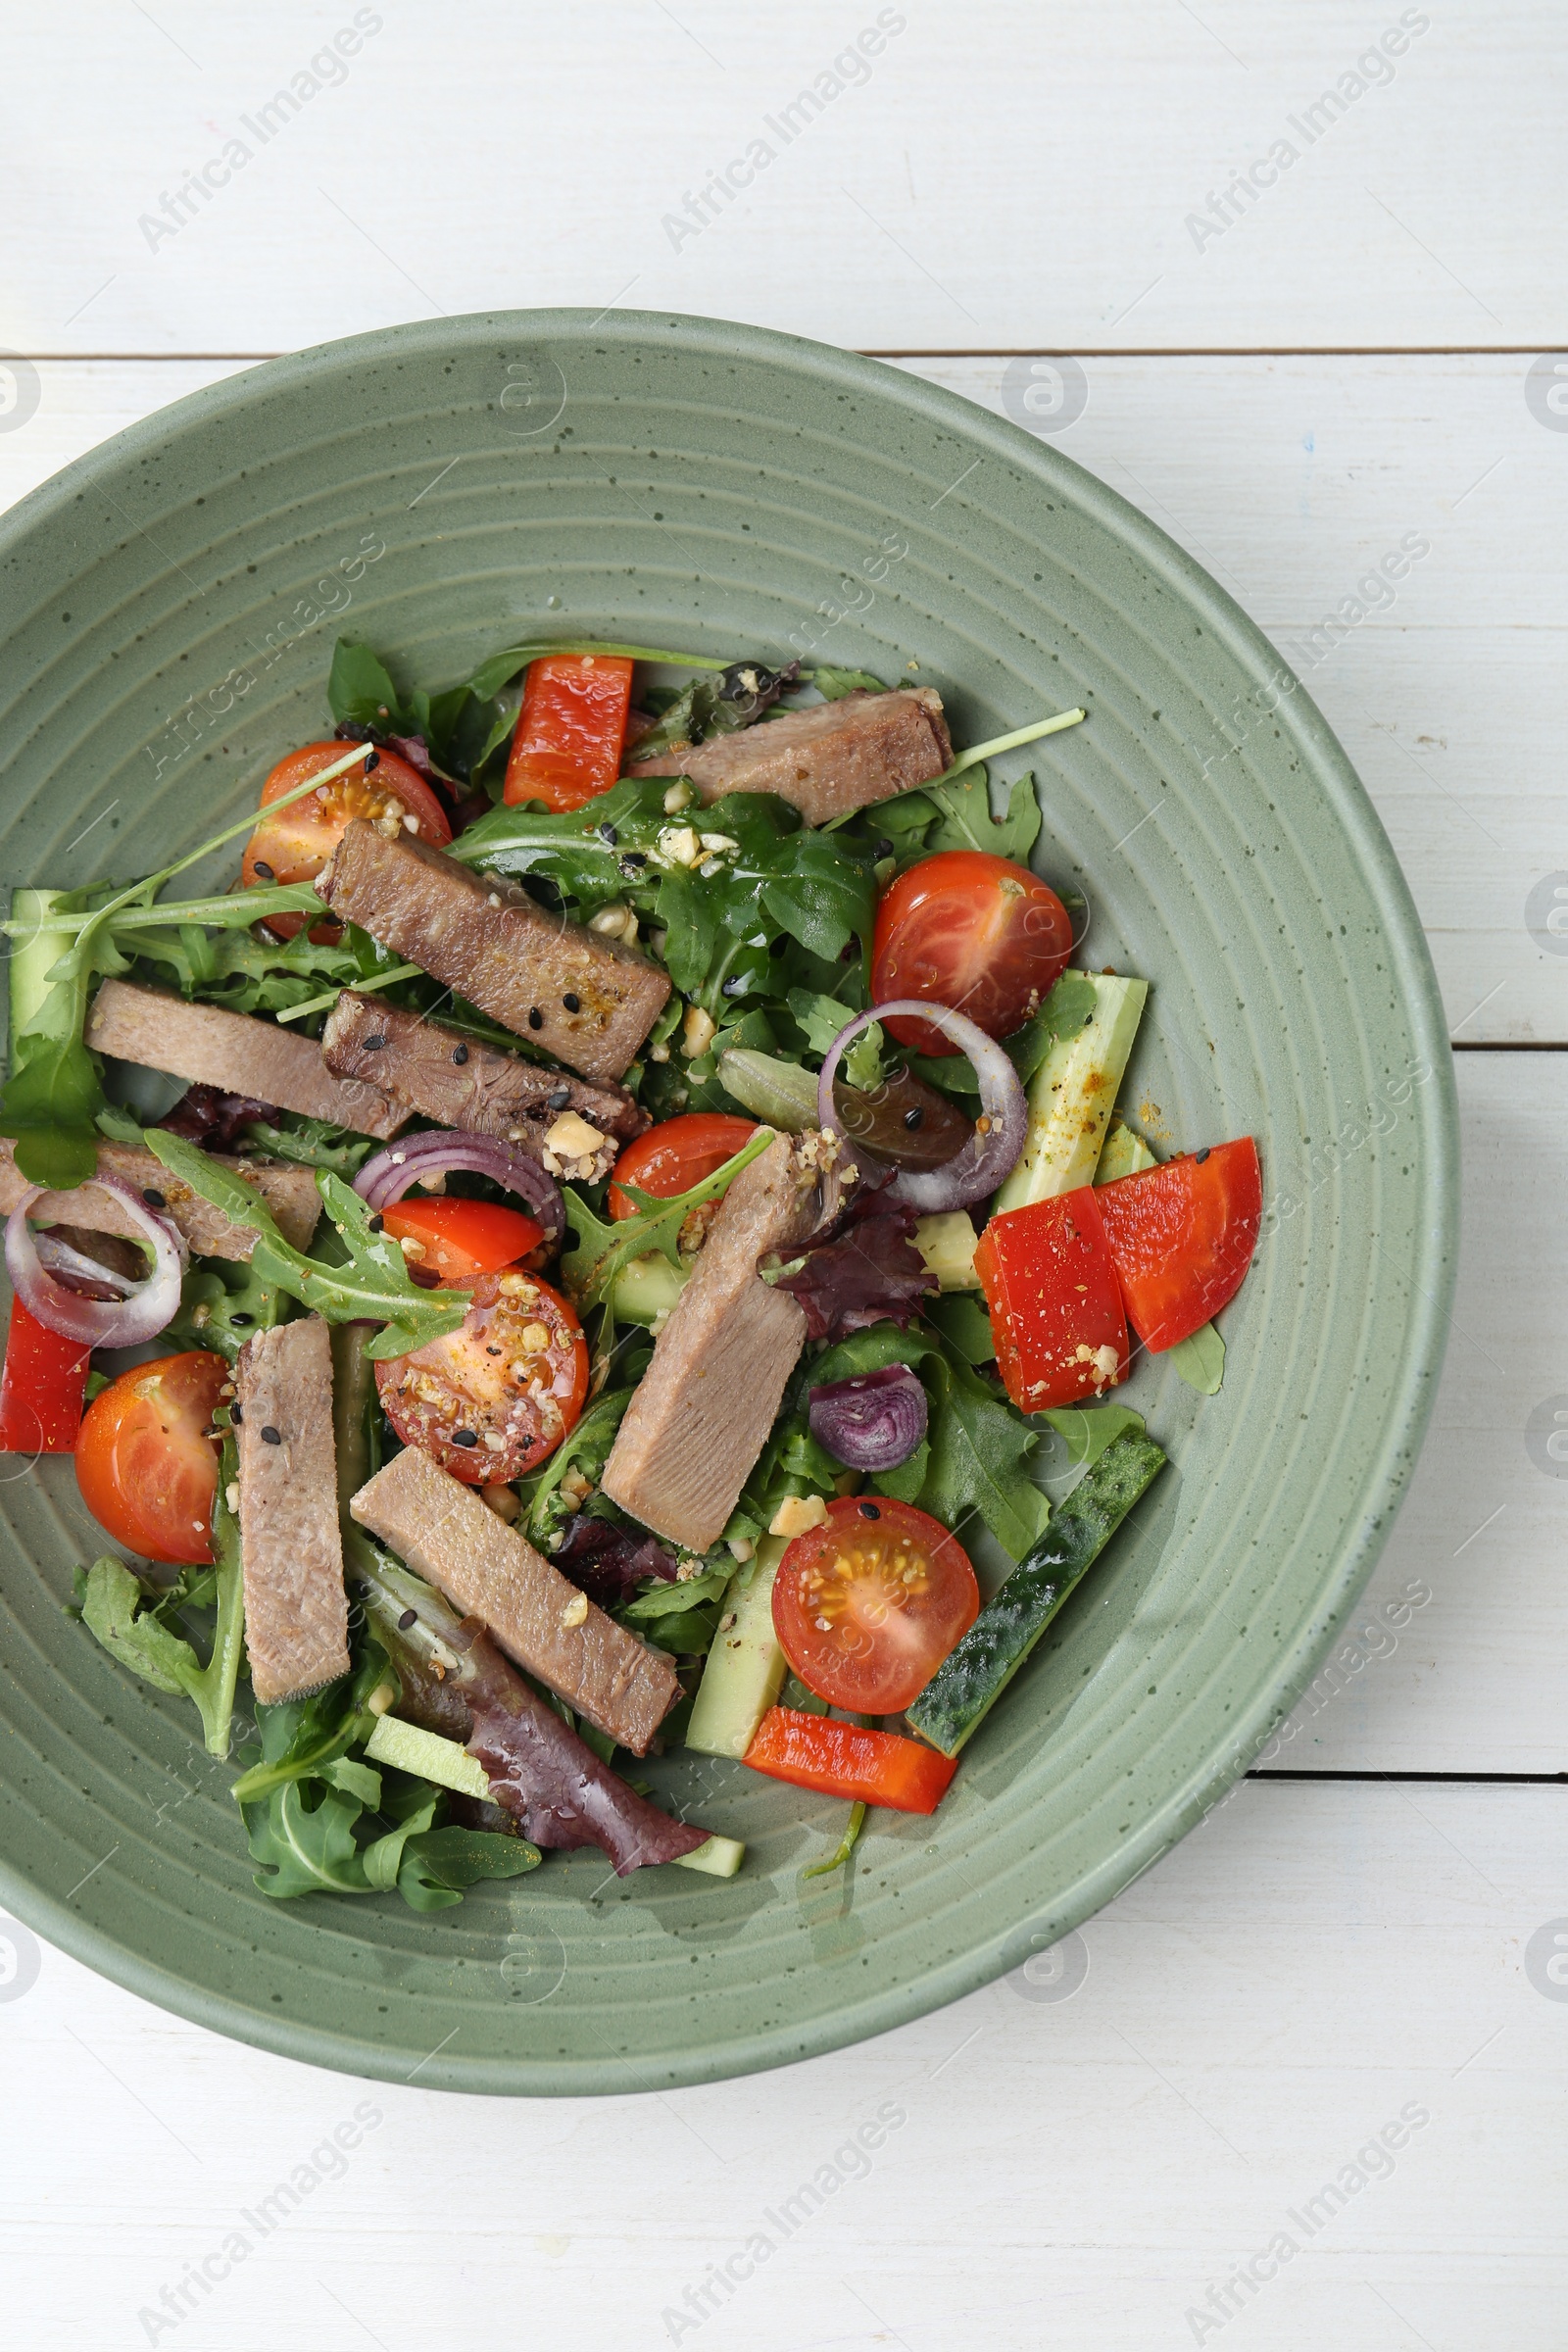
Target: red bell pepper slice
839	1759
1056	1305
1182	1237
570	730
41	1389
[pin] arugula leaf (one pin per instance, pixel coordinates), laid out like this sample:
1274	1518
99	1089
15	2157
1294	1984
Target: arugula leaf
821	1018
313	1142
1200	1361
977	1446
501	668
589	1271
221	1304
303	1735
304	1849
438	1864
383	1857
586	1449
371	1285
1090	1428
51	1101
360	690
128	1618
964	1325
833	684
966	822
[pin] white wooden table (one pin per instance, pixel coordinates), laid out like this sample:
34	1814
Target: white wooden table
1184	2142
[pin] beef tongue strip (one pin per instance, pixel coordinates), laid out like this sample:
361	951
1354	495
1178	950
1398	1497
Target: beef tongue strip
574	994
826	761
459	1082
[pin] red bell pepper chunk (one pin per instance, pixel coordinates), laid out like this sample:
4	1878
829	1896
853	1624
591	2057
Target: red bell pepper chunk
839	1759
41	1389
1056	1305
1182	1237
570	729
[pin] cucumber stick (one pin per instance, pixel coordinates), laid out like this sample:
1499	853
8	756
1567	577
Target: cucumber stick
647	1289
29	966
1072	1094
1199	1358
745	1670
407	1748
973	1678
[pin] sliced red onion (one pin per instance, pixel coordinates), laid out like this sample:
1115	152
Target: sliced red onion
141	1314
390	1174
86	1276
991	1152
872	1421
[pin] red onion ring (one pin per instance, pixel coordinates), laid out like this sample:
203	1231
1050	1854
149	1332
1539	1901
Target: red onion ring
871	1421
390	1174
987	1157
87	1276
98	1322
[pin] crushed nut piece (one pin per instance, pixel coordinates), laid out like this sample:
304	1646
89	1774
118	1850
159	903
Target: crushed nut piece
797	1514
575	1611
678	797
572	1138
698	1031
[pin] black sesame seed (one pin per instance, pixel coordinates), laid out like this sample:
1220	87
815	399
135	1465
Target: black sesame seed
373	1044
235	1414
460	1053
536	1020
915	1117
408	1618
1201	1157
272	1435
633	861
264	869
242	1318
377	1222
734	986
882	848
609	833
868	1510
373	763
573	1003
465	1437
153	1196
558	1098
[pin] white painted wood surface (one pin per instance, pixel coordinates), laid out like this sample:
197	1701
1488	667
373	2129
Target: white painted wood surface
1320	1955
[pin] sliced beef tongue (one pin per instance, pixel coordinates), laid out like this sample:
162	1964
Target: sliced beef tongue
429	1067
585	999
826	761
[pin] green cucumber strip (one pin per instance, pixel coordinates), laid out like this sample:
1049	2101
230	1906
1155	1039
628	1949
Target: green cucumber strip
1072	1094
745	1669
408	1749
647	1289
430	1757
719	1858
973	1678
1199	1358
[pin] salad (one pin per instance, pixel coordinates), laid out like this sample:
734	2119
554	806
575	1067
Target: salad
554	1263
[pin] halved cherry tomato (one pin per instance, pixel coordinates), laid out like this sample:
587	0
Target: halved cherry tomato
1182	1238
570	729
146	1467
42	1386
676	1154
460	1239
1056	1305
867	1604
971	931
295	845
496	1396
839	1759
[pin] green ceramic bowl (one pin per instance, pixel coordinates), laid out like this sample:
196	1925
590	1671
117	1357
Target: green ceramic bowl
443	490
